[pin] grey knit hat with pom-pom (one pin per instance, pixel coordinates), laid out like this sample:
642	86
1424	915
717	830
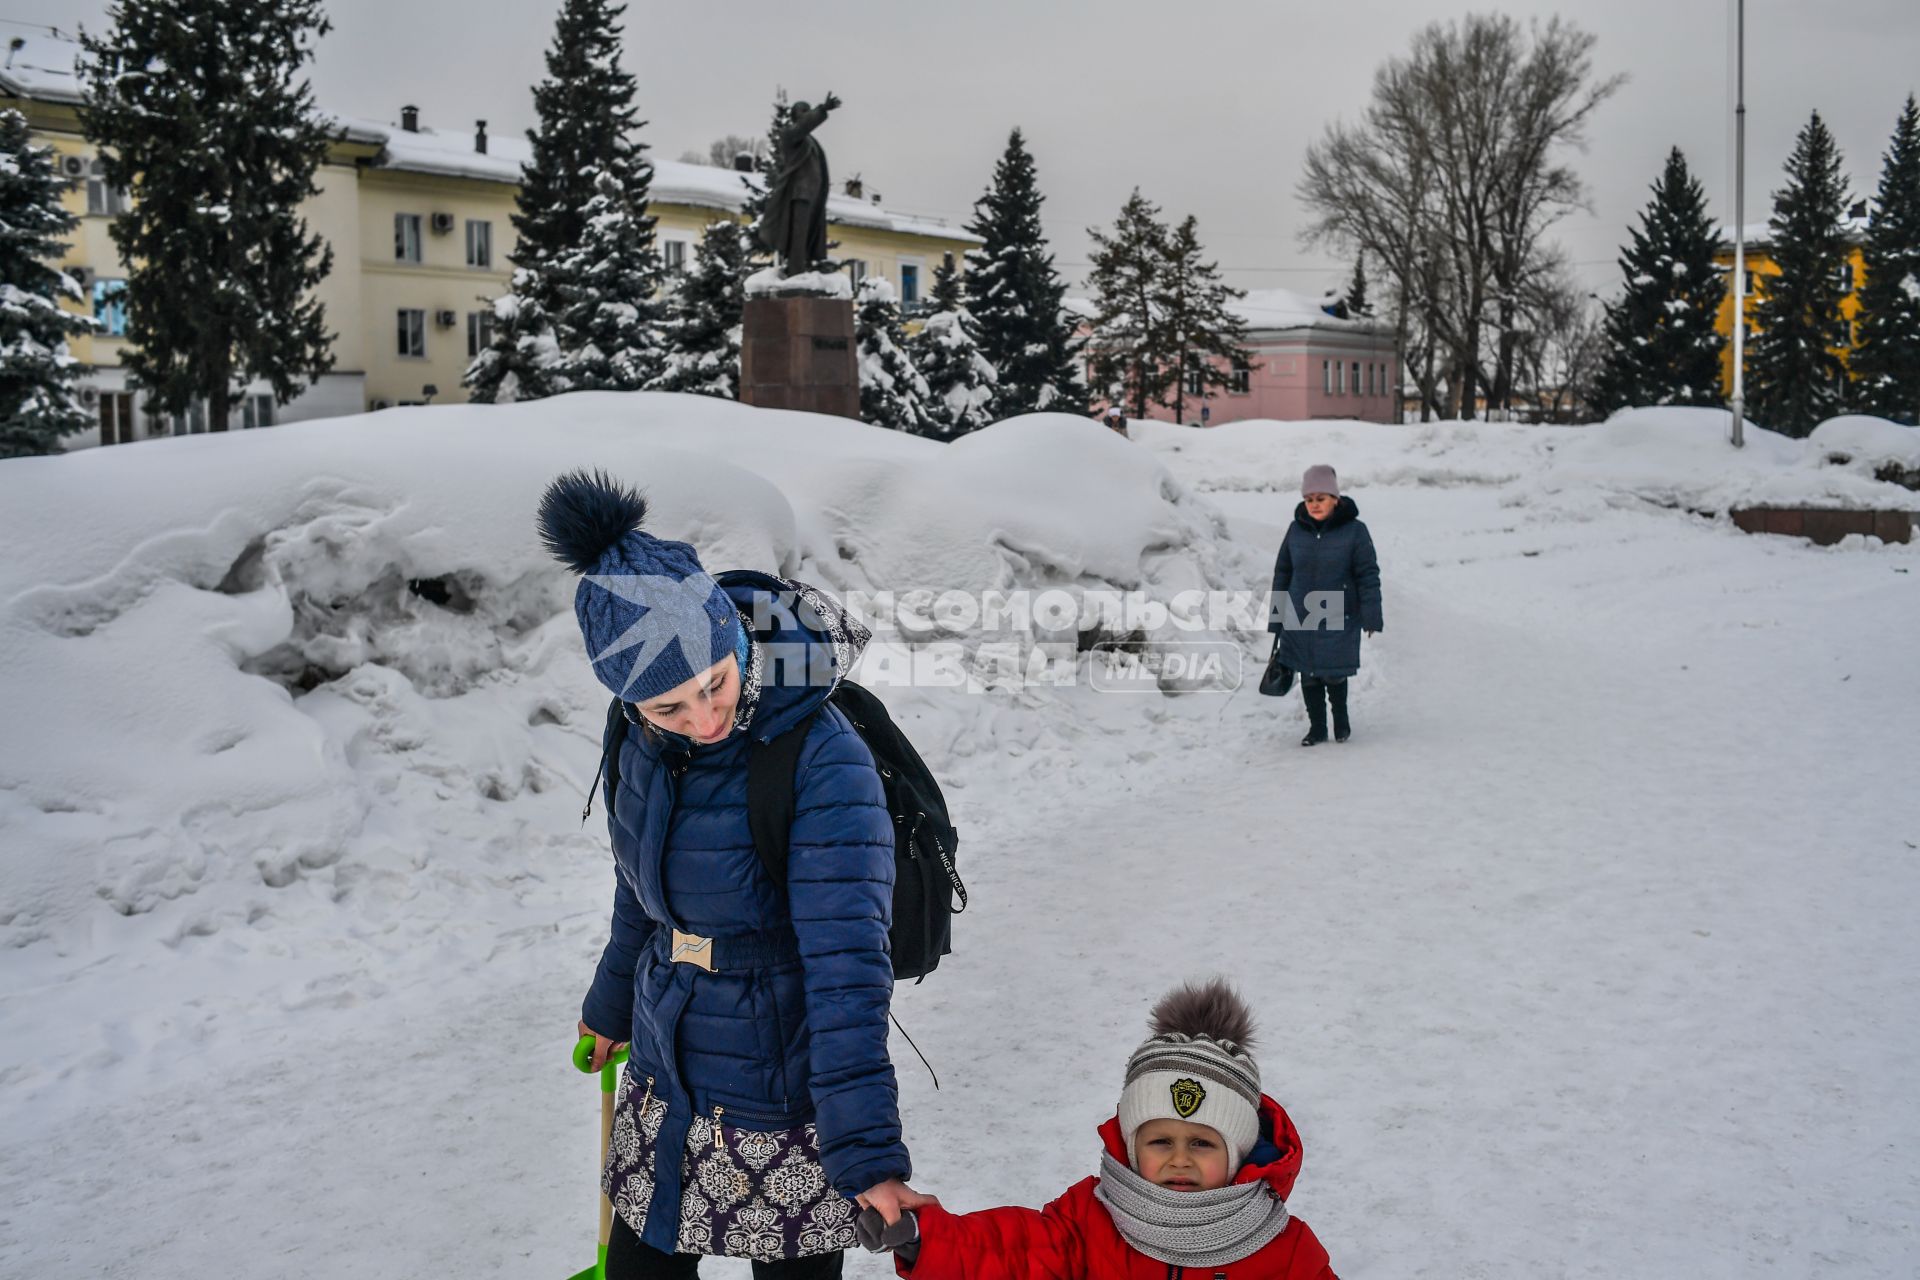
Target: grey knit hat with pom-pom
651	615
1196	1067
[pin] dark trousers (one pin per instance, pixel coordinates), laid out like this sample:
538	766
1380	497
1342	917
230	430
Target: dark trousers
1317	693
629	1259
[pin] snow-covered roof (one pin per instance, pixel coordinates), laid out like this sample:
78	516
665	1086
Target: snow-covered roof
41	67
451	152
1264	311
1270	309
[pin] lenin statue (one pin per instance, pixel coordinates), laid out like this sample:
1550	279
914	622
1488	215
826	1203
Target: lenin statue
794	228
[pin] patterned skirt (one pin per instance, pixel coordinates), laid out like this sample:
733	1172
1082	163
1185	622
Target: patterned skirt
754	1195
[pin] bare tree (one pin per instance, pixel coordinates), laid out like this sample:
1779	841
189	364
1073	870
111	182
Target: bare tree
721	151
1450	180
1559	345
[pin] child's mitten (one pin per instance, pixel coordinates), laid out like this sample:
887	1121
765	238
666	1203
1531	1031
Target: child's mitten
903	1237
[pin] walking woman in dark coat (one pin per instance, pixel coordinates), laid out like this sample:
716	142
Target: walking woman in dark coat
758	1110
1326	590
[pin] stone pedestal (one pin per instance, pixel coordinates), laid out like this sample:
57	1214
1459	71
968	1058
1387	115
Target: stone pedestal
799	353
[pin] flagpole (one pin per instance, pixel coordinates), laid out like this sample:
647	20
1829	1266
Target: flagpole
1738	403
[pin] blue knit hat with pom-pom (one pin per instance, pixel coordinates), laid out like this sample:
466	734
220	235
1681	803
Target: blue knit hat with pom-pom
652	617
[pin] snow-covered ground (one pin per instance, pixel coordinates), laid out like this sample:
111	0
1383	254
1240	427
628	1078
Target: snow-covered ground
1591	955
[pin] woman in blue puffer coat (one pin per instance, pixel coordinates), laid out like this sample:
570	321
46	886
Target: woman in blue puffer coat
1329	578
758	1110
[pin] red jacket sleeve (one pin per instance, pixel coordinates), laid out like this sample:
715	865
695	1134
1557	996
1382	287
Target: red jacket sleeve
1000	1244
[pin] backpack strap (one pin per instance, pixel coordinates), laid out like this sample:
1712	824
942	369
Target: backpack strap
771	771
609	759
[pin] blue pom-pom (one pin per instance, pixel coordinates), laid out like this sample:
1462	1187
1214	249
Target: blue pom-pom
583	513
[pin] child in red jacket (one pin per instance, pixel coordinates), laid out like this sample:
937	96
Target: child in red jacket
1195	1175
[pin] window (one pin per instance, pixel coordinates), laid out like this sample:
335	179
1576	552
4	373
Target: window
479	243
102	198
1326	377
1356	377
909	284
110	307
1241	383
1194	381
116	417
413	332
406	237
1339	377
1844	277
479	332
193	421
256	411
856	270
673	256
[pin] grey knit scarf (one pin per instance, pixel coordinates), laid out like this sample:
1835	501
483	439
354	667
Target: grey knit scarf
1190	1228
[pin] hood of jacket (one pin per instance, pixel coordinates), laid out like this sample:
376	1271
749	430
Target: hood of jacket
1274	1160
1345	511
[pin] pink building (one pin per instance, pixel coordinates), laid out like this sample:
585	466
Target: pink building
1306	364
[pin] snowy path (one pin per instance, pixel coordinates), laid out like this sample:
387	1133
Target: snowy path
1591	955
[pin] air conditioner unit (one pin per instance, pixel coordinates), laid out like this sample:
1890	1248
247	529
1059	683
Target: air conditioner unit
90	397
73	166
445	319
82	276
442	223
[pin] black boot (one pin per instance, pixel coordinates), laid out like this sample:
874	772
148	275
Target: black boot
1337	694
1314	692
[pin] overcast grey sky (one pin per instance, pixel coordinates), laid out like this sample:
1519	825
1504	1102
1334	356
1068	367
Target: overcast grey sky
1206	105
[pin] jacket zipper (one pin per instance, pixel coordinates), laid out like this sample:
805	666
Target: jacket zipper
647	1101
719	1134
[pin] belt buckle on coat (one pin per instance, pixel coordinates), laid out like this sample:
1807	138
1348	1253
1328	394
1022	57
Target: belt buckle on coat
690	948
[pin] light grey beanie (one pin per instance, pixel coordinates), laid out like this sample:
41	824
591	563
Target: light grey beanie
1320	479
1195	1067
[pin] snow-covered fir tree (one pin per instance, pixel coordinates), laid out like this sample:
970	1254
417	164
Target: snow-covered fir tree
609	324
202	108
1887	363
892	392
522	361
1016	297
586	131
1205	337
702	328
946	351
1133	362
38	406
1795	377
1662	343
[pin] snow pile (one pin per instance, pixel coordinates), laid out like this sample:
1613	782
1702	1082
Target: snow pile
1264	456
259	658
1678	458
1681	457
1871	446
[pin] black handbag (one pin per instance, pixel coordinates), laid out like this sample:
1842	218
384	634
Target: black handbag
1277	680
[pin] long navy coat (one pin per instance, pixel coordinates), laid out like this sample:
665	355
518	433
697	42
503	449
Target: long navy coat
1334	555
803	1036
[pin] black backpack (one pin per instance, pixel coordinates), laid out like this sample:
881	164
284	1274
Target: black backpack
927	889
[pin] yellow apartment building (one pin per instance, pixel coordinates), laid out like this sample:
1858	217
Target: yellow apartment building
1760	263
419	221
